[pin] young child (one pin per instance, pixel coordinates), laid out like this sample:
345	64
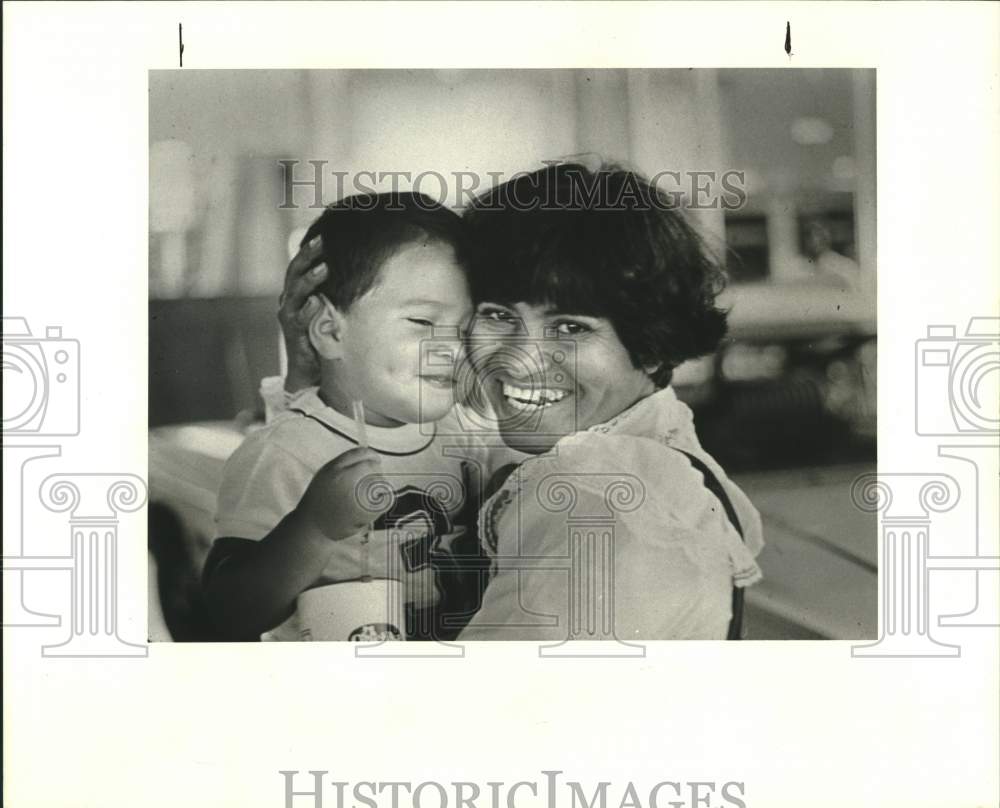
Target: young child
289	515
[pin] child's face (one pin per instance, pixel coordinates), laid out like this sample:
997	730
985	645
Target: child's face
384	356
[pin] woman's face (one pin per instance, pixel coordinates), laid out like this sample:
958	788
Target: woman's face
548	373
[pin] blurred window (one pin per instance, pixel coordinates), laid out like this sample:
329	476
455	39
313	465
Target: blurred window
748	255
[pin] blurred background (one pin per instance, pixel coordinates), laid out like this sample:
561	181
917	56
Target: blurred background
788	403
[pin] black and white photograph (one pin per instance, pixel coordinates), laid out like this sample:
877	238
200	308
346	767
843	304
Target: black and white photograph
512	354
501	405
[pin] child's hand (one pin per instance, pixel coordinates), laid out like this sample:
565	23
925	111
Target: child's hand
340	500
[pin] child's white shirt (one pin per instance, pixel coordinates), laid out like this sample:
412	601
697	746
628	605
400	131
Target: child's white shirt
436	472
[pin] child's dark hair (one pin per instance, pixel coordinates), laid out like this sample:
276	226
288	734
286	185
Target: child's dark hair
360	233
602	243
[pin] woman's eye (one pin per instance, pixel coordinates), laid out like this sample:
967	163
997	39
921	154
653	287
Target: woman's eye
572	329
420	321
497	315
496	318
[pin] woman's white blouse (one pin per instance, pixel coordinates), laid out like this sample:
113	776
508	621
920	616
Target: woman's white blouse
613	533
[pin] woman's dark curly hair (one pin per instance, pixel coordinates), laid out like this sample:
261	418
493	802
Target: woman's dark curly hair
604	244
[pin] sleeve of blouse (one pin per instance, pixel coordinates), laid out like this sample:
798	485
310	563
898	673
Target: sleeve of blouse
645	574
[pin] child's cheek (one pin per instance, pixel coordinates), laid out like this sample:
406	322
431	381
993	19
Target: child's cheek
400	363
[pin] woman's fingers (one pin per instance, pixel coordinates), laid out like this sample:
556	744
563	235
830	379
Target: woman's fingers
309	308
303	275
307	255
297	306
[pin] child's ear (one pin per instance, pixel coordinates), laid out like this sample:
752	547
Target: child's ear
326	331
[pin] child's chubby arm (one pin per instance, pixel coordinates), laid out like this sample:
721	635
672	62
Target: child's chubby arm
251	586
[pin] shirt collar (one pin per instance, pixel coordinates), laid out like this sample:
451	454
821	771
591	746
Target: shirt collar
660	414
400	440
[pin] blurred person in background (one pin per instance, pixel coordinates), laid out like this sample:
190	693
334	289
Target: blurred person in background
825	265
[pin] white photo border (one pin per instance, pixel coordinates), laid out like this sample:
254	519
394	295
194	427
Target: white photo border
211	725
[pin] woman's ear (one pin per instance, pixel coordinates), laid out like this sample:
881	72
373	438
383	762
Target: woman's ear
326	331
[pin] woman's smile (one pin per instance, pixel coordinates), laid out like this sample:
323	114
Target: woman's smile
532	397
544	387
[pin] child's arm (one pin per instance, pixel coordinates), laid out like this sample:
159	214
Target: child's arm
251	586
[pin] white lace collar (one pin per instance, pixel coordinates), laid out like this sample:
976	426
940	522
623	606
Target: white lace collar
660	416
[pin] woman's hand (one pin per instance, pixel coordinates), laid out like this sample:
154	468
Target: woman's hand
298	305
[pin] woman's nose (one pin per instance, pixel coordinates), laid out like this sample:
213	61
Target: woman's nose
534	360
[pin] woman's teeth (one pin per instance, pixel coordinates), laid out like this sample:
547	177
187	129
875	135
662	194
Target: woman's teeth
532	396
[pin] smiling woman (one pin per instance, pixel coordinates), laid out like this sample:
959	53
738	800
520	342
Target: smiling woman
602	278
580	373
591	289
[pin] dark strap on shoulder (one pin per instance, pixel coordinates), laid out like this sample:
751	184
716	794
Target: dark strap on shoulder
712	484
